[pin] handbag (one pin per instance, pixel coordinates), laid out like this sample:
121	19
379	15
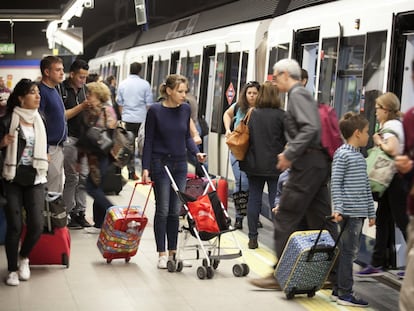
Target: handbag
123	146
238	140
240	199
99	139
380	167
25	175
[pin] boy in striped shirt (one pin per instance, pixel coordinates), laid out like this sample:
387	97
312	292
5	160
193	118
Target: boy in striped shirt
352	198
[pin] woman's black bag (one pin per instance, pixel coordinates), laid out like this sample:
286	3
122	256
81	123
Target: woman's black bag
25	175
240	199
99	139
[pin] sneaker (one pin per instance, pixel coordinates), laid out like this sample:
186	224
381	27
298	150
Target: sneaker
238	224
351	301
259	224
73	224
334	296
268	282
13	279
253	243
162	262
401	274
81	220
369	271
92	230
24	270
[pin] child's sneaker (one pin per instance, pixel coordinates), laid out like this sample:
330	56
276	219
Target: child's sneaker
162	262
13	279
24	270
401	275
370	271
351	301
334	296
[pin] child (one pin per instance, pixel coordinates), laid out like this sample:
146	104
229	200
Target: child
352	198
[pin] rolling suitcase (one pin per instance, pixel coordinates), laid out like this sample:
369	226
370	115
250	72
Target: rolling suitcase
306	262
53	247
122	230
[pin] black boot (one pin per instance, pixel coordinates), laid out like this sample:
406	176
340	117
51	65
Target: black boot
239	223
81	220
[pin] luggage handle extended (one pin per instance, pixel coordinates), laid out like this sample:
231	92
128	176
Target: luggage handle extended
323	249
124	224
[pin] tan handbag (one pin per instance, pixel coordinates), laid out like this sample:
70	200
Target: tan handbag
238	140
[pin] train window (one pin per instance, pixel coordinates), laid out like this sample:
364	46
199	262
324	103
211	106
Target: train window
243	73
193	73
350	70
277	53
327	76
160	73
183	67
175	56
216	118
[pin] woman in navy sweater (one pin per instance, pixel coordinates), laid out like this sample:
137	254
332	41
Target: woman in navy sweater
167	139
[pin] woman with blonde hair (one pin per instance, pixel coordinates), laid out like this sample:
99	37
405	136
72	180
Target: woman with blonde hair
392	204
167	139
99	114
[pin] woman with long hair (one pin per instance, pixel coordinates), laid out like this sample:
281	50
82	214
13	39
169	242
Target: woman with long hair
23	143
167	139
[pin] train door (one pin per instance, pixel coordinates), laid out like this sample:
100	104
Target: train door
305	51
277	53
402	54
160	73
175	57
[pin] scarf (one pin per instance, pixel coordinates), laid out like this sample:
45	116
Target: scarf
40	161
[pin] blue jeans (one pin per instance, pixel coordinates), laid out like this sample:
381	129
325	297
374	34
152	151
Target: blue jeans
239	176
101	202
254	206
167	204
349	247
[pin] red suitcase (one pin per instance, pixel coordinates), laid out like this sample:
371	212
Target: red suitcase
122	230
53	248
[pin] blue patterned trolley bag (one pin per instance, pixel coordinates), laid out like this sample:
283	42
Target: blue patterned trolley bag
306	262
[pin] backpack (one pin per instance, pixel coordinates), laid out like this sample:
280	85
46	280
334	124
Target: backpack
331	138
123	146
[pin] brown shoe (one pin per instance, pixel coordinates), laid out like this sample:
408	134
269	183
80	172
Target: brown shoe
253	243
268	282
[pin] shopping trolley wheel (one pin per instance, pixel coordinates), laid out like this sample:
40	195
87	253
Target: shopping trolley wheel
171	265
216	263
210	272
180	266
108	260
201	272
311	294
237	270
246	269
127	259
290	295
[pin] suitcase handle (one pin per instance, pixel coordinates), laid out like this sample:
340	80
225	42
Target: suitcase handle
124	224
323	249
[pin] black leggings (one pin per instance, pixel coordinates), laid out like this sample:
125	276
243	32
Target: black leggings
19	198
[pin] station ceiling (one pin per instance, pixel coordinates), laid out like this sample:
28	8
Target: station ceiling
108	21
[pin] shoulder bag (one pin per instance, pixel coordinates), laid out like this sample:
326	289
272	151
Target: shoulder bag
99	138
238	140
380	167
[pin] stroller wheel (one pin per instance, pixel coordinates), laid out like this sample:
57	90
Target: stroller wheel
246	269
201	272
205	262
180	266
171	266
210	272
237	270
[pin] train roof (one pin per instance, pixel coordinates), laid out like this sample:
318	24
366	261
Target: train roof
222	16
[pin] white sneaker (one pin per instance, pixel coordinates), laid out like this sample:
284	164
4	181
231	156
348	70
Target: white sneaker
92	230
13	279
162	262
24	270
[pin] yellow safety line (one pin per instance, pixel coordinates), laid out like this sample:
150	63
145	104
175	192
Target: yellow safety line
261	261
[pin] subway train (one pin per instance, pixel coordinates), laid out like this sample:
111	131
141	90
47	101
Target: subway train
353	51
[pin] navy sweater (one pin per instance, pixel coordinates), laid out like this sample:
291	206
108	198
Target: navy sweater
167	134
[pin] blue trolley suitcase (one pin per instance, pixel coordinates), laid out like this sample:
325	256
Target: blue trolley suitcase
306	262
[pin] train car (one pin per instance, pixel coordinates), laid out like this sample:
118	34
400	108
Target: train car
352	52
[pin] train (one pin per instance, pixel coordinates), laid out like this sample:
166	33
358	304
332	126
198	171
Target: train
353	51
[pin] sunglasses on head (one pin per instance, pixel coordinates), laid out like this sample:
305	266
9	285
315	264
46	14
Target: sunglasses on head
253	83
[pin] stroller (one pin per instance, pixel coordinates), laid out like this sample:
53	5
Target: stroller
207	221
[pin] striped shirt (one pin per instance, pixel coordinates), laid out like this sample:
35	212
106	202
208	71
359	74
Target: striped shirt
350	190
